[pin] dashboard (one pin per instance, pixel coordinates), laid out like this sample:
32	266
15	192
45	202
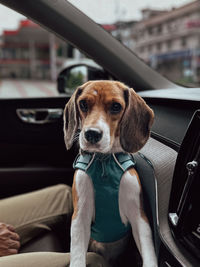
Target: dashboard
172	115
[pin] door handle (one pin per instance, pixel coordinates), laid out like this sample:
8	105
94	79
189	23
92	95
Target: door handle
40	115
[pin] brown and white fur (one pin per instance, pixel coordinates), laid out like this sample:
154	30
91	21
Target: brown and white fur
122	121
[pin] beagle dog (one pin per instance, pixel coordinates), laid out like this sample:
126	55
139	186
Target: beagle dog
111	122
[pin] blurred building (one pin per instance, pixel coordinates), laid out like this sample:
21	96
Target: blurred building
169	41
31	52
123	32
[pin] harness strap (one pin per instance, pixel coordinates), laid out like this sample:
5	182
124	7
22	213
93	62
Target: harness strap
125	161
83	161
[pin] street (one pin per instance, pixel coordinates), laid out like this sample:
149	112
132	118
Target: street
27	88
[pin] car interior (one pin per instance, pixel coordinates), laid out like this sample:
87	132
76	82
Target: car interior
33	153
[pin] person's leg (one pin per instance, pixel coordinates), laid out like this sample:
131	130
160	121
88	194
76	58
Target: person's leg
48	259
37	211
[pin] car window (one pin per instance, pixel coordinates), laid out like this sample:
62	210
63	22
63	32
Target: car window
36	63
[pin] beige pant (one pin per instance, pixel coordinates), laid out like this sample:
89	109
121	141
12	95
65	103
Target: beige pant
33	213
48	259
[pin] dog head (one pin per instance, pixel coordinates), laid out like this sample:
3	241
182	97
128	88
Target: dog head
110	117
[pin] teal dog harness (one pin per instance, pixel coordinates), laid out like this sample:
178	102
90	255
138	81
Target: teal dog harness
105	171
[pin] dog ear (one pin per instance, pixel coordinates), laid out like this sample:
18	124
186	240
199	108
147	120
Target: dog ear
136	122
71	118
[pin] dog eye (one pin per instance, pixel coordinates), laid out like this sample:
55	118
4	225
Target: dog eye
115	108
83	105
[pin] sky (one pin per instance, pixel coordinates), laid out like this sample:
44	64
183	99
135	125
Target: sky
102	11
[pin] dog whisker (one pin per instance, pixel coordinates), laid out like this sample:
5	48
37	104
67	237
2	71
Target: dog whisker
76	137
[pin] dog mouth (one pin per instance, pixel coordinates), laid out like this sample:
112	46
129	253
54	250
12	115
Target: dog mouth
94	149
98	148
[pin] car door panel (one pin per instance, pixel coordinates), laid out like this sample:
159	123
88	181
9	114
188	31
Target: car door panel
32	155
18	180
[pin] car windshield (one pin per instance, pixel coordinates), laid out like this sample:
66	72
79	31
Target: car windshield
164	34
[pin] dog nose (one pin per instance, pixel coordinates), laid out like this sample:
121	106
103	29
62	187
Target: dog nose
93	136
